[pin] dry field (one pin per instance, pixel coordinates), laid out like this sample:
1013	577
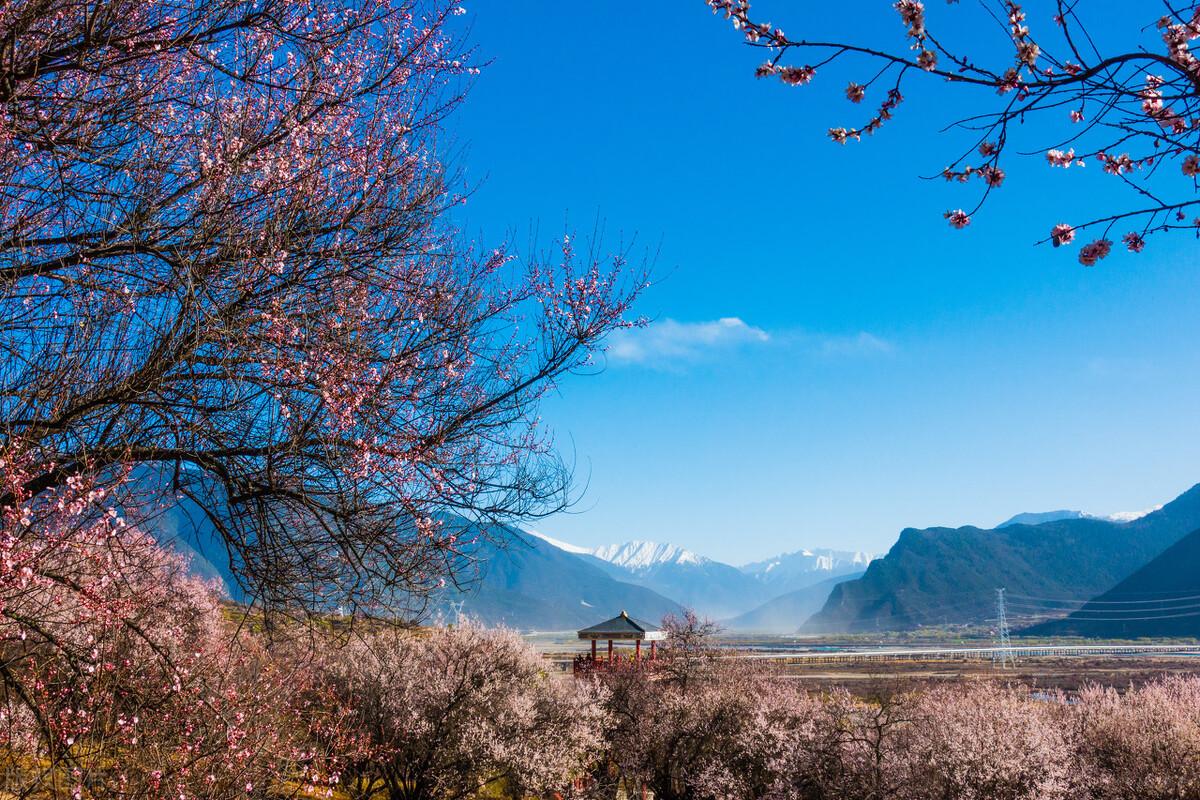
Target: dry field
1066	673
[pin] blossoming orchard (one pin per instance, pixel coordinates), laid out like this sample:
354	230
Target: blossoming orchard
1048	90
231	282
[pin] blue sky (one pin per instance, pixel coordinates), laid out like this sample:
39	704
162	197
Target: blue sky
829	361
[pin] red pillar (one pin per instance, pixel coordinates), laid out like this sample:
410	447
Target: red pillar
653	648
610	651
593	649
637	650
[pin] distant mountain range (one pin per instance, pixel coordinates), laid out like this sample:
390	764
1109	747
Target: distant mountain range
711	587
802	568
948	576
531	581
934	576
1160	599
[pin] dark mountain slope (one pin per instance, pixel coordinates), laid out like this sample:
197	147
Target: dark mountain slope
1160	599
786	613
530	584
511	578
947	576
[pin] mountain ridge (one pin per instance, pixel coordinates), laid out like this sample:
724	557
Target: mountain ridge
939	576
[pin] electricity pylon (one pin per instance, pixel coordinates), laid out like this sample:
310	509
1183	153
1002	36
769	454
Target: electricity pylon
1002	655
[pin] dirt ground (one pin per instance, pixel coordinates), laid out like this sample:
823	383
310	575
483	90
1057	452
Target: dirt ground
1041	672
1066	673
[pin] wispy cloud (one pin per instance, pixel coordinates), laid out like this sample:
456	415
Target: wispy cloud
670	341
853	345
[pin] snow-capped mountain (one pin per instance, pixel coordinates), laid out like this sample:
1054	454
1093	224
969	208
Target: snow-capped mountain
791	571
710	587
1130	516
1040	517
639	556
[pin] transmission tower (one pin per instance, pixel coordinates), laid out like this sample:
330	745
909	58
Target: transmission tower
1002	655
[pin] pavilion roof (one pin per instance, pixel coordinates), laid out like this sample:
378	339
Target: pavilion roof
623	626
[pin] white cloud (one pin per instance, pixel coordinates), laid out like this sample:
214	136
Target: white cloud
670	343
673	341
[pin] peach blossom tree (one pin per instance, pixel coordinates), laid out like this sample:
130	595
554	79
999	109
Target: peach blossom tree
123	677
1143	742
448	712
226	260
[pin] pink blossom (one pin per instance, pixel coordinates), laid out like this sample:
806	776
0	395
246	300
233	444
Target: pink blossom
1058	158
912	14
842	135
992	176
796	76
1134	242
1092	252
958	218
1009	81
1117	165
1061	234
1028	52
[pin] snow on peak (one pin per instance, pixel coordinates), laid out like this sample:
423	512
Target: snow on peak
1130	516
1053	516
638	555
570	548
808	560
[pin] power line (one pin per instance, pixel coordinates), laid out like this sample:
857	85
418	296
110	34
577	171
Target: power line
1172	599
1085	610
1131	619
